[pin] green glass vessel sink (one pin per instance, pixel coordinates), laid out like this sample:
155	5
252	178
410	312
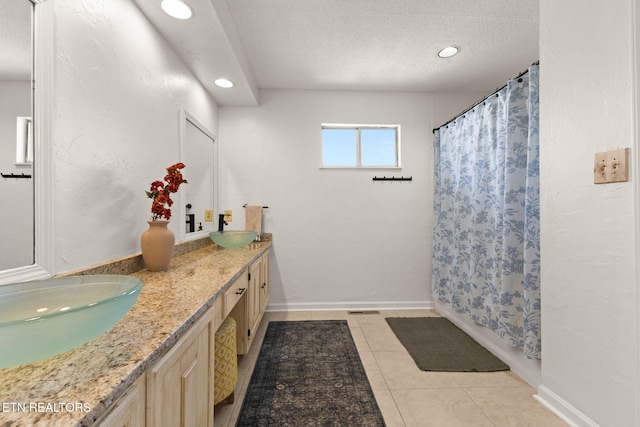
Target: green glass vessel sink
233	238
40	319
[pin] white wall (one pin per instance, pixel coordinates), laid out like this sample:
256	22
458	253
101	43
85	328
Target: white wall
16	195
340	239
118	89
589	254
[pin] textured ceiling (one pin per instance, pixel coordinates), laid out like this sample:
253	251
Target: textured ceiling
386	44
334	44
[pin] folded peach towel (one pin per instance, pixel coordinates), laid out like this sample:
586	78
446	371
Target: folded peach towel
253	217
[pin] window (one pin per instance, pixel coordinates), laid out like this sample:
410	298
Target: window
360	146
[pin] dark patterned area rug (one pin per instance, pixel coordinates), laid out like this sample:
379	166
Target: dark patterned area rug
436	344
308	373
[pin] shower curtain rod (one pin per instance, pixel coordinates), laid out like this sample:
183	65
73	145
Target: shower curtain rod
486	97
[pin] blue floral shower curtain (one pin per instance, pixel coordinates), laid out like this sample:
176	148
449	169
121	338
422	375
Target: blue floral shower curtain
486	234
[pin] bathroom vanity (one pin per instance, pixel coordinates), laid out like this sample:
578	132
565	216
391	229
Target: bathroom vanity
155	366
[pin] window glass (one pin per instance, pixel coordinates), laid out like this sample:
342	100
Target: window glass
339	147
360	146
378	147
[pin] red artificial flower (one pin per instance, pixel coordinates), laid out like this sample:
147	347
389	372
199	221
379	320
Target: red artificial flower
161	193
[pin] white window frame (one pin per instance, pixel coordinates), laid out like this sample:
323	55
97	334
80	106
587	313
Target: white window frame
358	128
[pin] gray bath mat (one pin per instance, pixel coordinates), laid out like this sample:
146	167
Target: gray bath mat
436	344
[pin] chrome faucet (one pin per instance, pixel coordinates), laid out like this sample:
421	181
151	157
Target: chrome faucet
221	222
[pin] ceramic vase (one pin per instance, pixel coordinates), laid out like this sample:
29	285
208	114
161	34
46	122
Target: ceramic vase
157	244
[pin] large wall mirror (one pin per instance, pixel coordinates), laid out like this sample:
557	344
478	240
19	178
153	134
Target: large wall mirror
199	197
25	58
16	187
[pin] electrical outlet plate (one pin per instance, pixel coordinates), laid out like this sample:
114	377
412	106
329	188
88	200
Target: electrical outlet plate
208	215
611	166
228	215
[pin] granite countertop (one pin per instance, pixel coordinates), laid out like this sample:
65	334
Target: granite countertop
76	387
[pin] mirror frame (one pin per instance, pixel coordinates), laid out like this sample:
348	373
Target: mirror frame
43	66
184	117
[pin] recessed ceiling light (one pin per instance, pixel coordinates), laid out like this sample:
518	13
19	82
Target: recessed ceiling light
224	83
449	51
177	9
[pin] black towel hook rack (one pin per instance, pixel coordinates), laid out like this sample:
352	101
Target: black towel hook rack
13	175
392	178
264	207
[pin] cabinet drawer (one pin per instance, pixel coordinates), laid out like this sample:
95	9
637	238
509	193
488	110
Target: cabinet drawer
235	292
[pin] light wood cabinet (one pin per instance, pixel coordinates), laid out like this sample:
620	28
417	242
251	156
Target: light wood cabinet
249	309
253	299
264	279
178	389
129	410
258	292
180	385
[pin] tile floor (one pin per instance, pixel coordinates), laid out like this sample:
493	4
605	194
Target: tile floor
407	396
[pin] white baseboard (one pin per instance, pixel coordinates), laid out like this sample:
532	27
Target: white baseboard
563	409
352	306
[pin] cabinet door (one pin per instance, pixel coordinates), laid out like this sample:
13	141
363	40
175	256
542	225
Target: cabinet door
180	385
129	410
254	297
264	278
